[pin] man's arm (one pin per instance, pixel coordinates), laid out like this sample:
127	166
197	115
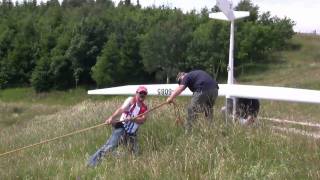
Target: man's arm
140	120
118	112
176	92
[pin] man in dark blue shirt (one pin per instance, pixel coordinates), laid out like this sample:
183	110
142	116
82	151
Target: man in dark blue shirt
205	92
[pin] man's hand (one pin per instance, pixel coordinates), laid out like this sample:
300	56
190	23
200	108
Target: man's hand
109	120
128	119
169	100
175	93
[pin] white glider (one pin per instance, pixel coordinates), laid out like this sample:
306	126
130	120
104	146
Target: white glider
235	90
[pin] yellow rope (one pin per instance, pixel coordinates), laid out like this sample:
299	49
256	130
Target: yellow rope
179	121
73	133
53	139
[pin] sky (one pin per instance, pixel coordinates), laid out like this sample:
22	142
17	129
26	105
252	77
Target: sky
305	13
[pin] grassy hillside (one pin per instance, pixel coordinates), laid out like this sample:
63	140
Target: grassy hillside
294	68
217	151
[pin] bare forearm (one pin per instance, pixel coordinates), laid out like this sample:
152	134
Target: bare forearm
116	113
140	120
110	120
177	91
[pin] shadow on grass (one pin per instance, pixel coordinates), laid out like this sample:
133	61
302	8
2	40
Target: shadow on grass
294	46
259	67
272	60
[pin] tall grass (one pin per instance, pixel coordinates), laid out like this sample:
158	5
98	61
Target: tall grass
212	151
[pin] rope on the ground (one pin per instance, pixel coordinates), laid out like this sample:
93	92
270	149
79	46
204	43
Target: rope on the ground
73	133
179	121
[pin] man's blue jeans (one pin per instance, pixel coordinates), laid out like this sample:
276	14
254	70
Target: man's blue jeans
118	135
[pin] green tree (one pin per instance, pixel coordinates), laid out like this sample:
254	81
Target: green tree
128	27
56	46
247	5
73	3
62	74
106	3
208	49
42	78
253	44
21	58
84	47
4	75
163	47
105	71
282	31
53	3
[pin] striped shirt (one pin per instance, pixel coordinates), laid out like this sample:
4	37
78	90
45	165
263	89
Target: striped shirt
131	109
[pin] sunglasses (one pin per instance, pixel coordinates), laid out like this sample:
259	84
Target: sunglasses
179	81
142	94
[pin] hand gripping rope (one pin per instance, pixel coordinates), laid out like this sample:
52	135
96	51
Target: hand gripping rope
83	130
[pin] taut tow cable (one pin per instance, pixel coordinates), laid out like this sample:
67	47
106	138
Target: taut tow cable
75	132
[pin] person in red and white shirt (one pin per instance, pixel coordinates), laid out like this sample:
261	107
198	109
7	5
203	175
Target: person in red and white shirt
124	129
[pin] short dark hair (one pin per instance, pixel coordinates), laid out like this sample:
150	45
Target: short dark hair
179	75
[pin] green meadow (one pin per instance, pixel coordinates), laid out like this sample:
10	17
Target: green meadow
222	150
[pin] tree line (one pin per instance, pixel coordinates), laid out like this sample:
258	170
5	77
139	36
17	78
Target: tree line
96	43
